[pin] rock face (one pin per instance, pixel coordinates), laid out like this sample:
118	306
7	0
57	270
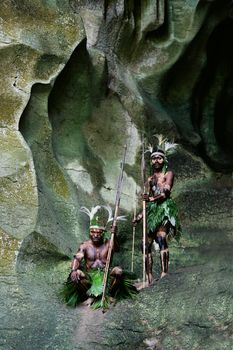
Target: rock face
79	80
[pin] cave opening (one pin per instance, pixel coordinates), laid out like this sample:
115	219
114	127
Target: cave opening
220	56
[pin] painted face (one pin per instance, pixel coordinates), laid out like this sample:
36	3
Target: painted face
96	234
157	161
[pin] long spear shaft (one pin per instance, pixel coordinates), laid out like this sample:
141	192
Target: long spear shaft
111	242
144	217
134	231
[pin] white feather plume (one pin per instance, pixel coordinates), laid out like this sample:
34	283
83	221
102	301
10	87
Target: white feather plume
149	148
94	210
163	142
119	218
110	216
170	146
122	218
91	212
161	139
109	209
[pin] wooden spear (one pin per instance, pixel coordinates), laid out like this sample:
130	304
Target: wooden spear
111	242
143	169
145	271
134	230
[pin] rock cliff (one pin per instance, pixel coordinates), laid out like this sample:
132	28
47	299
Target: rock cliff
79	80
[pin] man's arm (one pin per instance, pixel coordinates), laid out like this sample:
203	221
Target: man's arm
76	273
169	179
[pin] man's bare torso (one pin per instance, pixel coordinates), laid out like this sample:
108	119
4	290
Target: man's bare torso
95	255
159	180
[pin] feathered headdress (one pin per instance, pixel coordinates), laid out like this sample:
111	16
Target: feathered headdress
163	147
99	218
110	216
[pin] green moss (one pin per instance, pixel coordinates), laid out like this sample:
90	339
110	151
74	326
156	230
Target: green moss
105	127
47	65
8	248
10	104
57	181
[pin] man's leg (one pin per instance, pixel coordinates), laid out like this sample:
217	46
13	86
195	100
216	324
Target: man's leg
164	253
149	258
116	275
149	266
75	288
164	256
116	272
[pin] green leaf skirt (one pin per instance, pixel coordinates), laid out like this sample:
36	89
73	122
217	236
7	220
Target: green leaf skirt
73	293
161	213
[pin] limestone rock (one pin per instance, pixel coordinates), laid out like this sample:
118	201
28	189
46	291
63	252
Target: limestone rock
79	80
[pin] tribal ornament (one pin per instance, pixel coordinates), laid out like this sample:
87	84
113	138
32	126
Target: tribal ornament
95	220
163	146
100	216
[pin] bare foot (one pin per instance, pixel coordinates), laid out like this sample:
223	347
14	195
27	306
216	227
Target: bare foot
150	278
112	300
141	285
88	302
163	274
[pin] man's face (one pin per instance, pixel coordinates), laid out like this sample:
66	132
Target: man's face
96	234
157	161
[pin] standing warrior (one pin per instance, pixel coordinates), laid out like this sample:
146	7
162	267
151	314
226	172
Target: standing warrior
161	211
88	264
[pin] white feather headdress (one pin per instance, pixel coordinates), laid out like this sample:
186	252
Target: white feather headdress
91	212
98	218
163	145
110	215
95	221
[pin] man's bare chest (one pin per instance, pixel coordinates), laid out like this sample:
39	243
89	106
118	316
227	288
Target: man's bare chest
157	182
97	252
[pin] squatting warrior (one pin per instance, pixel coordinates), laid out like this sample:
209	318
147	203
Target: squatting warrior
161	211
87	268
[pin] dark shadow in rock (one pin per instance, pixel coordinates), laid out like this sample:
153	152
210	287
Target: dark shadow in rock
56	195
76	91
222	69
160	34
37	250
201	81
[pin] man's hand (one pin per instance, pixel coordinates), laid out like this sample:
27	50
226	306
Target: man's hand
156	198
136	220
145	197
77	275
113	229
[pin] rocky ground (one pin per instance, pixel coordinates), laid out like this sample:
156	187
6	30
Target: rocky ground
189	309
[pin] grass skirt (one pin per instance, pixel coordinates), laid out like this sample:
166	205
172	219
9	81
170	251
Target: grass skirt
160	214
120	288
